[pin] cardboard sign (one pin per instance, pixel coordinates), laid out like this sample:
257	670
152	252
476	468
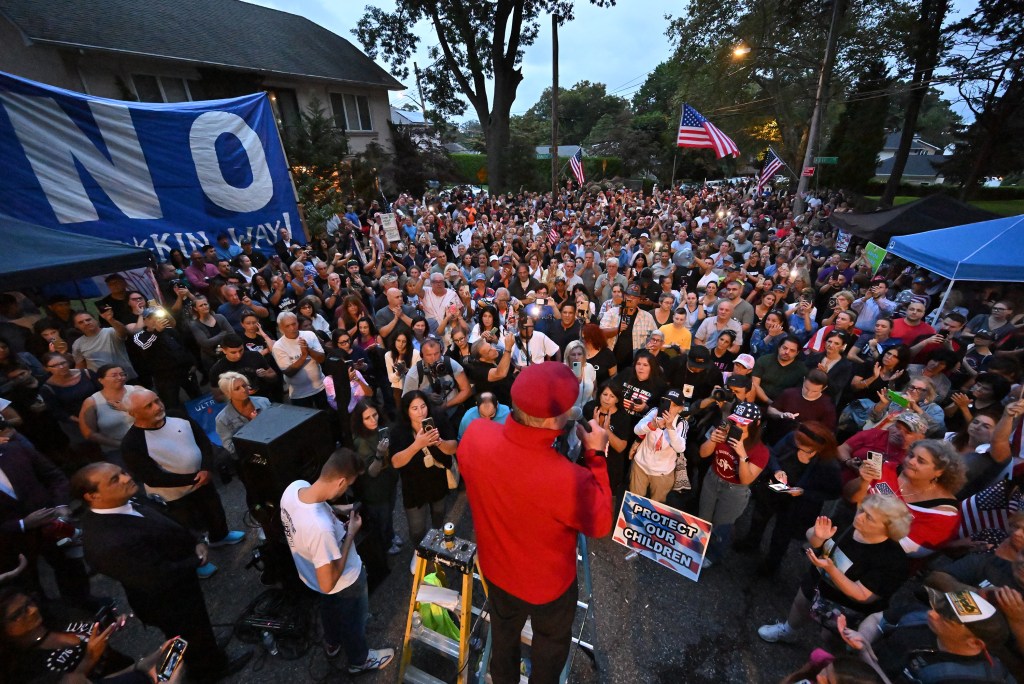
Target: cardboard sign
875	255
390	225
843	241
664	534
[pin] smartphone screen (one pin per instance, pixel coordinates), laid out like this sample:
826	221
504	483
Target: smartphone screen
383	433
778	487
171	659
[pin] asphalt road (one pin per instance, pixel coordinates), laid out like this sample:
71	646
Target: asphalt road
648	624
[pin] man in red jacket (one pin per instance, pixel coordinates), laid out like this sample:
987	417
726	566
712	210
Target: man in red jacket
528	503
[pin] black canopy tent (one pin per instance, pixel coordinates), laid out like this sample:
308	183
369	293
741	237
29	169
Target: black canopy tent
33	255
928	213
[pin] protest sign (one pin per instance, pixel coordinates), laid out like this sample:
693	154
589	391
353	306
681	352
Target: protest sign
390	225
875	255
664	534
843	241
153	175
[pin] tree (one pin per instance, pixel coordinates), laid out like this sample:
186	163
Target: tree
415	162
477	41
860	133
579	109
765	94
937	123
926	42
316	150
990	65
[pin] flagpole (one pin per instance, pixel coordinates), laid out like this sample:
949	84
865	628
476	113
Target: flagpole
675	158
779	157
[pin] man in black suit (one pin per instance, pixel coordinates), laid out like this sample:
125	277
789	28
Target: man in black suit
155	560
33	501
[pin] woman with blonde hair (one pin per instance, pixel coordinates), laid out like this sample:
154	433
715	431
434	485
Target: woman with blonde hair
858	570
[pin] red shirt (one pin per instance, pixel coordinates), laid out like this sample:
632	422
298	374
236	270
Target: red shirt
726	464
931	527
909	333
528	503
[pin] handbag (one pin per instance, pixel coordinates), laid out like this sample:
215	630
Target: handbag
682	481
453	475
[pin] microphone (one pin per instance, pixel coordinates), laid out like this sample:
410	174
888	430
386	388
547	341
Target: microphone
576	415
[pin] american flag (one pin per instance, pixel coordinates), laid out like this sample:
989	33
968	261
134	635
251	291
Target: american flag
988	511
553	234
576	164
696	131
772	164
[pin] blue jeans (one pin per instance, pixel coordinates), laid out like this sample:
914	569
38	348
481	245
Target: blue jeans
343	616
721	504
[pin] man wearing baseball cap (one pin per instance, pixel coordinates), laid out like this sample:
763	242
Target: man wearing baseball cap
628	325
950	642
529	503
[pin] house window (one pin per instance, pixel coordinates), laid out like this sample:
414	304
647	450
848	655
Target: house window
161	88
286	106
351	112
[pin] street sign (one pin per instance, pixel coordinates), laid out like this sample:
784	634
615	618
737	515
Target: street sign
826	160
808	171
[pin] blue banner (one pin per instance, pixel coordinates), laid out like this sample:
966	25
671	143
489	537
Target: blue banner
160	176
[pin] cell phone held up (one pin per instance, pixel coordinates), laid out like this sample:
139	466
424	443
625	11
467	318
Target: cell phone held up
171	659
875	458
428	424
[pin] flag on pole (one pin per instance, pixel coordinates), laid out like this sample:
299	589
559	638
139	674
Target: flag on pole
576	164
772	164
696	131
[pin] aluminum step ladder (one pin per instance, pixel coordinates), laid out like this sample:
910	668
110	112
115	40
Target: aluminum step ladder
459	555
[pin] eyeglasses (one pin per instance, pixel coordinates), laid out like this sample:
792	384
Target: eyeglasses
458	340
916	389
57	364
999	308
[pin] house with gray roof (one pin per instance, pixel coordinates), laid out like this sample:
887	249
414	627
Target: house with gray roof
186	50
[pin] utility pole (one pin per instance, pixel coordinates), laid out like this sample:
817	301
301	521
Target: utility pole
824	79
419	87
554	107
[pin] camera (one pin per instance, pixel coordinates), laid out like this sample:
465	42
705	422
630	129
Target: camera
721	394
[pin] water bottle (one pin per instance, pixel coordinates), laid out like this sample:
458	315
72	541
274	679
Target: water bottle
270	643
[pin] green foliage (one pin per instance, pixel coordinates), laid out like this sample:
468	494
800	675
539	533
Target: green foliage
477	58
937	123
317	151
579	110
860	133
532	173
415	162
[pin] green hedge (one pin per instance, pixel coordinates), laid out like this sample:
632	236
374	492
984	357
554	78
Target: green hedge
468	166
1001	193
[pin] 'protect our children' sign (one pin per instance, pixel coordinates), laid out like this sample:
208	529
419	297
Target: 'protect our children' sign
664	534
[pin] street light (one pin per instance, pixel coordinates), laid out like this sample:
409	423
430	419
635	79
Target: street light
740	51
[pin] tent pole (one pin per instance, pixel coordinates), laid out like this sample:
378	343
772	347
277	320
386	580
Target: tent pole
942	304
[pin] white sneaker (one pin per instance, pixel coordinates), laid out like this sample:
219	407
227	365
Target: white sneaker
780	631
375	660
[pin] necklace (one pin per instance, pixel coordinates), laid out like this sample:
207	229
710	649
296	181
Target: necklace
907	491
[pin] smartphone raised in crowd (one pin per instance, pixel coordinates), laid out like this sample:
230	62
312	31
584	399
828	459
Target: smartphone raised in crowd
428	424
171	659
898	399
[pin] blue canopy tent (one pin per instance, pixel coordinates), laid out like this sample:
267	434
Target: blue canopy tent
988	250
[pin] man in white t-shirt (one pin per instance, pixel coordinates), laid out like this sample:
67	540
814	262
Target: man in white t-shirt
298	354
532	346
323	549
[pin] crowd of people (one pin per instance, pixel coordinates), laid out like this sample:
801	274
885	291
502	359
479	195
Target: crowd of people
736	355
